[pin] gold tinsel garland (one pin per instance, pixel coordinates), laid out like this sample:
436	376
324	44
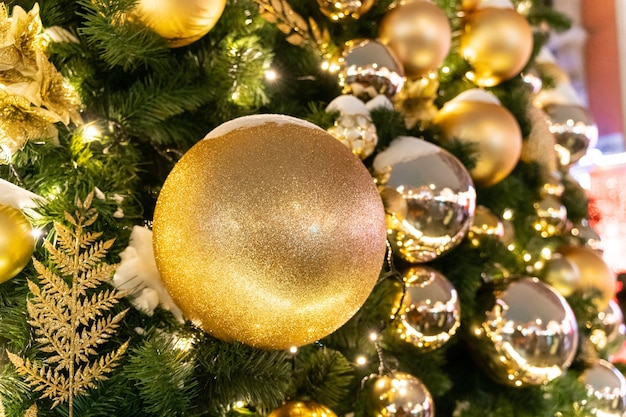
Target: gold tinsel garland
33	94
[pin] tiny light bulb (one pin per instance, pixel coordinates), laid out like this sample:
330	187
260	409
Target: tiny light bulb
293	349
361	360
37	233
373	336
271	75
91	133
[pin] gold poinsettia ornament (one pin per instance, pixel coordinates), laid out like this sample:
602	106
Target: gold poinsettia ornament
33	94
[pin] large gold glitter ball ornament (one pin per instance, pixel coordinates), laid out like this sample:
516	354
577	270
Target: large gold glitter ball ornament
269	232
338	10
17	243
497	42
605	384
181	22
398	394
418	31
430	312
302	409
476	117
574	129
525	333
595	273
428	195
369	68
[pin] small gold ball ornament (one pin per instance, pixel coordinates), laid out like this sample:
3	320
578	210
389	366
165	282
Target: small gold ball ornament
338	10
418	31
398	394
302	409
475	118
595	273
181	22
497	42
550	217
561	274
17	243
353	126
430	313
428	195
607	329
485	225
525	333
270	232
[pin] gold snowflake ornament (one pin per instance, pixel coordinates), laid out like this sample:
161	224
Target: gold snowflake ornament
69	313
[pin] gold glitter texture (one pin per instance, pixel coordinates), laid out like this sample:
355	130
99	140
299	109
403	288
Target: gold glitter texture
271	234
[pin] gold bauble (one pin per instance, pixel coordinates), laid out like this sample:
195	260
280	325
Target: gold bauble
428	195
430	313
607	331
398	394
491	128
418	32
497	43
562	274
181	22
485	225
302	409
16	242
525	333
270	232
340	9
594	272
550	217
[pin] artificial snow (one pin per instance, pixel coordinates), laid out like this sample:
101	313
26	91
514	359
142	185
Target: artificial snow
257	120
403	149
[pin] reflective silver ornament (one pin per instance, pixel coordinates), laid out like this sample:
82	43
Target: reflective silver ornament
357	132
369	68
398	394
605	383
485	225
584	234
429	198
607	330
574	130
526	334
430	313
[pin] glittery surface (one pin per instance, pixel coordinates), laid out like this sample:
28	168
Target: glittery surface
16	242
271	234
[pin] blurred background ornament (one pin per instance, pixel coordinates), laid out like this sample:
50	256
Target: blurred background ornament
302	409
527	333
550	217
485	225
416	101
553	185
595	274
533	80
477	117
340	9
353	127
607	329
430	313
428	195
583	234
561	274
180	22
497	42
272	260
574	129
606	384
369	68
418	31
397	394
17	242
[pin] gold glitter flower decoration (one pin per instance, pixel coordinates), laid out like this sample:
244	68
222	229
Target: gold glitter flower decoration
33	94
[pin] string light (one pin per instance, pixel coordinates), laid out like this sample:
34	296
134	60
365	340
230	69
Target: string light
91	133
373	336
271	75
293	350
361	360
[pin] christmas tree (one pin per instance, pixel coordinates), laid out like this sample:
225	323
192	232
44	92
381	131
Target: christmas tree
286	207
